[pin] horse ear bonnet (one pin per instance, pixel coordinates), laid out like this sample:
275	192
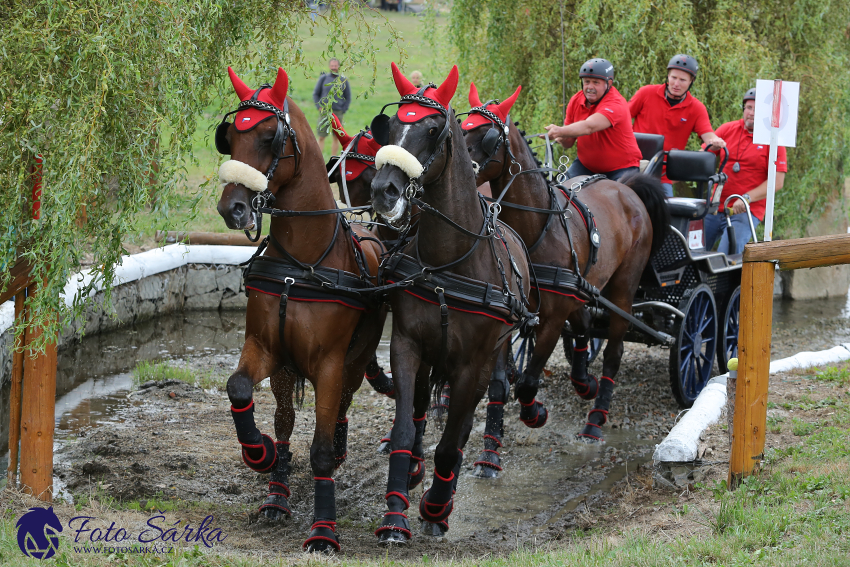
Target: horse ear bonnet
491	138
381	129
221	143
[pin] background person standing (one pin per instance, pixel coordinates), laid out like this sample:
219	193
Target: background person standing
339	106
671	110
747	171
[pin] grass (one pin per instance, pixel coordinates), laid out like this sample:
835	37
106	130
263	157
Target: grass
146	371
363	108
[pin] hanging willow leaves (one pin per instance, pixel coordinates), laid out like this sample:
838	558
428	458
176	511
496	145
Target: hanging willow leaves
111	94
502	43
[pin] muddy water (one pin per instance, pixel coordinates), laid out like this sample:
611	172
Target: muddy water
95	378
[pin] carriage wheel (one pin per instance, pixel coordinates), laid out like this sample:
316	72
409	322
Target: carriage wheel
727	346
692	357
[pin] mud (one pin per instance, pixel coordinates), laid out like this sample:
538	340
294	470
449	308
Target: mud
171	441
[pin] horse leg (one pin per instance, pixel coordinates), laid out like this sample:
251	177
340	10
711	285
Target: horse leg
378	379
329	392
437	502
586	385
258	449
489	462
532	413
622	291
276	504
407	371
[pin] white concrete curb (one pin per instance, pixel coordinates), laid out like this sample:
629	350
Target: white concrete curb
137	266
682	443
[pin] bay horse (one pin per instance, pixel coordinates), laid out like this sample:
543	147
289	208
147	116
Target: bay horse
627	220
466	280
306	317
353	177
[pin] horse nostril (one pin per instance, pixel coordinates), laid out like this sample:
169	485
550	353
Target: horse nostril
237	210
392	192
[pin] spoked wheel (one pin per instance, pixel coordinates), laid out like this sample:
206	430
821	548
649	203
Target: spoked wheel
727	347
692	357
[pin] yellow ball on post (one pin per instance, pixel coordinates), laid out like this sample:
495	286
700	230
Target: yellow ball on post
732	365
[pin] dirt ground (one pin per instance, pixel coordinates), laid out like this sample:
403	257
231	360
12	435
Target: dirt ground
175	443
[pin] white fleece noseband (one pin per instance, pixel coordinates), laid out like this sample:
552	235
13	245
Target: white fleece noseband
401	158
233	171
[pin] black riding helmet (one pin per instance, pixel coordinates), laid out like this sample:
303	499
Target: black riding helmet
749	95
598	69
685	63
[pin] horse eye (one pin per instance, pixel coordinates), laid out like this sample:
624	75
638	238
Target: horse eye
432	132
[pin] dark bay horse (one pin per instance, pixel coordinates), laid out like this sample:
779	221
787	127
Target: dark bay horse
458	252
629	219
297	326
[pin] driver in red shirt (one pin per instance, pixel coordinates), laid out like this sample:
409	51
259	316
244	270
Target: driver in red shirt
598	122
671	110
747	176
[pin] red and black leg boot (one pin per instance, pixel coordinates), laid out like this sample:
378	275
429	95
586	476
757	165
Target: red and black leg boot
340	442
380	382
384	448
598	416
585	384
531	412
440	408
438	501
258	449
489	463
276	504
395	527
417	455
323	536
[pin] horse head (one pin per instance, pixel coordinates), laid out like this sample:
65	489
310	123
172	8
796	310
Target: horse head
486	130
259	141
415	145
359	163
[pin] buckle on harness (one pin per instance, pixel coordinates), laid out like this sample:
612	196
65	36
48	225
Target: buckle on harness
288	280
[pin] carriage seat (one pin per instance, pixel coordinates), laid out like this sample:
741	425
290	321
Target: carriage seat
687	208
683	165
650	145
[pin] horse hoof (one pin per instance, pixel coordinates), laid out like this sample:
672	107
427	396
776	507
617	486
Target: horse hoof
533	414
481	471
273	514
438	529
591	433
391	537
384	448
322	538
320	546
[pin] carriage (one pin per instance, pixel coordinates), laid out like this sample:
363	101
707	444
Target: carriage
689	296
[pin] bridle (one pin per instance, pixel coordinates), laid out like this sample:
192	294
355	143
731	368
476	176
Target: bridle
493	140
266	198
381	132
339	161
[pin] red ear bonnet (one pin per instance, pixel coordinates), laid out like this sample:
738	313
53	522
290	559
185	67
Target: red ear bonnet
365	146
501	110
249	118
414	112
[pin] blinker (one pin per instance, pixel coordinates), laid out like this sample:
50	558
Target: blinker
489	141
381	129
221	143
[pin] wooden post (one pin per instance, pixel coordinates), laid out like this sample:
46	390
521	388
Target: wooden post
15	393
37	409
753	370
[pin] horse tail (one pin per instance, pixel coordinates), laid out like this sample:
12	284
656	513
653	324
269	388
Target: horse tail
650	191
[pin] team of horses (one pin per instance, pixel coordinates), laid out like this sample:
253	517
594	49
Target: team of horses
463	274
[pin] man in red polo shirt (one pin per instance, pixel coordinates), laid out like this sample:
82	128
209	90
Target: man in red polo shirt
598	121
747	171
672	111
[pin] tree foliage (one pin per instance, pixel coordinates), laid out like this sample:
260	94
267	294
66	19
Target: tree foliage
110	94
502	43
